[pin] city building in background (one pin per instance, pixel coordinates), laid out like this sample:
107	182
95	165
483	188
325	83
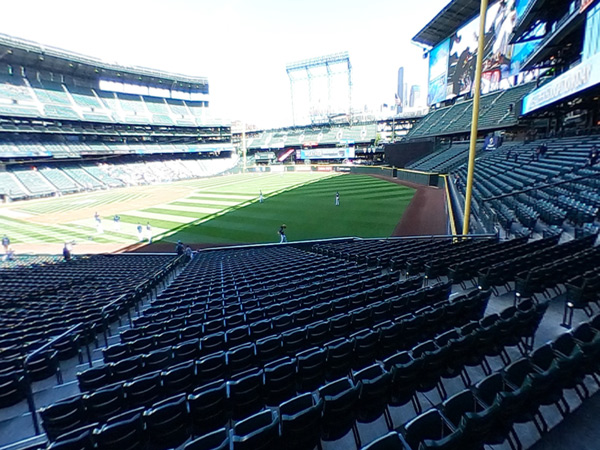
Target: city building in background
415	96
400	97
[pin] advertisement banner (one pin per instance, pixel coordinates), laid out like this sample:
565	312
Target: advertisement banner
326	153
585	75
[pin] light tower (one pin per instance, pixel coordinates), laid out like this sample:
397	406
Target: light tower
320	87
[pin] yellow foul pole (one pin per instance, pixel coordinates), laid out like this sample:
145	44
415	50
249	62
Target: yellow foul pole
474	122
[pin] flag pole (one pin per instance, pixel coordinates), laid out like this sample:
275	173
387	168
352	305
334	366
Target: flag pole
475	120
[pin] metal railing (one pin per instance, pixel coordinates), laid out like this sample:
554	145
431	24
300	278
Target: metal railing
153	279
27	378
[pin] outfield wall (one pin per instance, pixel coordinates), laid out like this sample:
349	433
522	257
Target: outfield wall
411	176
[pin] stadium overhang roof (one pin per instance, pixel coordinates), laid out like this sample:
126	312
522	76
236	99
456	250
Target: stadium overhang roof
451	18
31	54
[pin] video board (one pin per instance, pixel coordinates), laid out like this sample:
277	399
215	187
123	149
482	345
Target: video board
591	41
438	73
583	76
501	60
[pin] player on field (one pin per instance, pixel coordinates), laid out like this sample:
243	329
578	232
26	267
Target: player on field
281	232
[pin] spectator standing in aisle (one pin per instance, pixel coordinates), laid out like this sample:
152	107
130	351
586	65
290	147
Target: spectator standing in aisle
593	156
67	252
179	248
9	256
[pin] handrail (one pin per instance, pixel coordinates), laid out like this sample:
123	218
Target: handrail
119	299
103	316
449	205
29	392
347	238
543	186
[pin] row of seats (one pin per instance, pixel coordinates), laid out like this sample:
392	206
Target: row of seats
512	169
486	413
68	178
326	135
267	339
541	251
44	98
53	298
548	276
326	411
496	111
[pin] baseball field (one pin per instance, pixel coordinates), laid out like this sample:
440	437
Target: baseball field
220	210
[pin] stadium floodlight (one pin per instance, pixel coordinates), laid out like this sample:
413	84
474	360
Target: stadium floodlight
320	87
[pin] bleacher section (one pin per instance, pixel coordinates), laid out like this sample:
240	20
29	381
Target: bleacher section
36	184
30	97
64	147
571	203
70	177
444	160
317	135
497	110
60	180
16	97
10	185
362	337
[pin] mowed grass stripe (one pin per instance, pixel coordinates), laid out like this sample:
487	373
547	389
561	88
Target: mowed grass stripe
191	214
161	215
77	201
212	208
208	201
227	192
18	235
109	234
164	224
181	205
310	213
188	207
225	196
42	233
265	182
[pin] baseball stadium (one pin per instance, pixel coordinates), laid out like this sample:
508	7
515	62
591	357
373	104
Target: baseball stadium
427	278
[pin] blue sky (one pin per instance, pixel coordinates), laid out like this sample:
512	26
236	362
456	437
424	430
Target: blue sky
241	46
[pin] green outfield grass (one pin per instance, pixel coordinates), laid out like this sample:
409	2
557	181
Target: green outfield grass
217	210
369	207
